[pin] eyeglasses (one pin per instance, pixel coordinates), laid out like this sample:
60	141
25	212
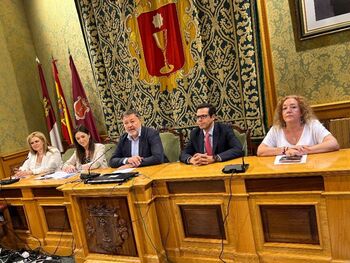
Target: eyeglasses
201	117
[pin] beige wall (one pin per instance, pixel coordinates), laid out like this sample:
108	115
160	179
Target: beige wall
42	28
55	28
318	69
20	108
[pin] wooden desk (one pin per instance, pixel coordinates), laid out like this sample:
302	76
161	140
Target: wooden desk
115	223
37	216
276	213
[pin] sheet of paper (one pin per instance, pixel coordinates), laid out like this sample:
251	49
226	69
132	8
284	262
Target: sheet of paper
56	175
278	157
123	171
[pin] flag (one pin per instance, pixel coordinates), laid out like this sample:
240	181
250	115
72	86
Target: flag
66	121
161	40
82	111
49	115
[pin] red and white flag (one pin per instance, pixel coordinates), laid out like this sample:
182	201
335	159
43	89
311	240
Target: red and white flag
82	111
49	114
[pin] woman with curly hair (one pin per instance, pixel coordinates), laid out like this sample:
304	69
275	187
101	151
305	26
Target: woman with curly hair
296	131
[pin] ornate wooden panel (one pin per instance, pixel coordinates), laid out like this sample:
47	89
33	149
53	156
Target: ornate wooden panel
18	217
289	223
108	227
57	218
208	186
204	221
305	183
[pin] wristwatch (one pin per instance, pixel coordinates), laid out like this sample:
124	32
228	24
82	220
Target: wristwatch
217	158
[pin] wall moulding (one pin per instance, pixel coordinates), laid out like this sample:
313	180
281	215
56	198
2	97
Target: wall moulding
333	110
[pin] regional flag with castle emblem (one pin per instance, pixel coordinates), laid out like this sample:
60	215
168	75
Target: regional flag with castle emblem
161	40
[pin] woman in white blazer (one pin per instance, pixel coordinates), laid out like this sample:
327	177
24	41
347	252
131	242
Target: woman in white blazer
87	155
41	157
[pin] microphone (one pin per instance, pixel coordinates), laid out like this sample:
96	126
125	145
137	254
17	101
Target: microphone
238	168
89	174
13	180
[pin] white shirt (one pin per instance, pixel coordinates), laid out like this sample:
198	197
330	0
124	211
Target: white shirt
314	133
50	163
135	144
98	160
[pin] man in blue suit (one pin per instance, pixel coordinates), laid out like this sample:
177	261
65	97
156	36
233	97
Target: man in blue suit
139	146
210	141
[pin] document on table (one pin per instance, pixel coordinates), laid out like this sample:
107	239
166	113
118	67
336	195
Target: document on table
283	159
123	171
55	175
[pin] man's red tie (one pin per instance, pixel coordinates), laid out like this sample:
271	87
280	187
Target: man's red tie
207	144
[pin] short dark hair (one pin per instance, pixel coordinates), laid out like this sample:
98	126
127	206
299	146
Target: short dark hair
130	112
211	108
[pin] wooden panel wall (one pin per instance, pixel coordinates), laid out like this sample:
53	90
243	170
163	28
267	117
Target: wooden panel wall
10	161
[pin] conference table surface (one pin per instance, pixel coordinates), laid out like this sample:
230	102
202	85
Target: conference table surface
259	167
333	167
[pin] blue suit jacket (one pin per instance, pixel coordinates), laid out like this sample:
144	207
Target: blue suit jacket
225	143
150	148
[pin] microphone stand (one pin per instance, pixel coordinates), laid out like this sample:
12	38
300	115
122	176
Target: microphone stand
237	168
89	174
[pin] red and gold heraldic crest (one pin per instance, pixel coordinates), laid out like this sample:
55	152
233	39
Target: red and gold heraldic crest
161	42
81	108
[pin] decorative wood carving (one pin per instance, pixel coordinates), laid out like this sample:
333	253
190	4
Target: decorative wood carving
108	226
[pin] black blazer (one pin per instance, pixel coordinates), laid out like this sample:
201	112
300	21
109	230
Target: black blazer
150	148
225	143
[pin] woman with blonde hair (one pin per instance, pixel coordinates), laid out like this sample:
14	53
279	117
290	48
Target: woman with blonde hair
41	158
296	131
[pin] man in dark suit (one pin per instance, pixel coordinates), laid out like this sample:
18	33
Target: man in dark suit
210	142
139	146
